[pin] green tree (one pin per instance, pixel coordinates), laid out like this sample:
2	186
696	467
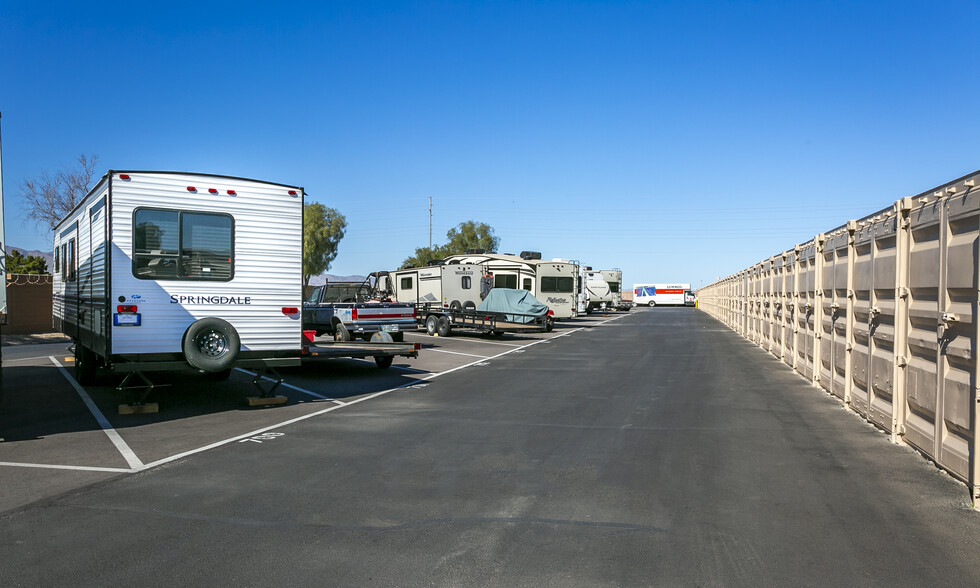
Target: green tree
50	198
422	257
18	263
464	236
470	235
323	228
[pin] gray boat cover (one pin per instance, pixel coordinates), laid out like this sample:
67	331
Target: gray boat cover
520	302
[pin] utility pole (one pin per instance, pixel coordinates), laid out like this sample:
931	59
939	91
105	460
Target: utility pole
430	223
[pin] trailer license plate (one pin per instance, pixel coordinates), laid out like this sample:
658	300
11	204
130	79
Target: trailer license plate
389	328
126	320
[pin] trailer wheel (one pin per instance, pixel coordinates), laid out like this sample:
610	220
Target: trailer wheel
340	333
431	324
443	328
468	305
211	344
549	324
84	365
455	305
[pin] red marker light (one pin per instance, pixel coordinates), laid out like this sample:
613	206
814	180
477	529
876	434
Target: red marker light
123	176
126	308
191	189
212	191
292	192
290	310
232	193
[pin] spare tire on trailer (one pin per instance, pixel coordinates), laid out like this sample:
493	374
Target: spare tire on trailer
211	344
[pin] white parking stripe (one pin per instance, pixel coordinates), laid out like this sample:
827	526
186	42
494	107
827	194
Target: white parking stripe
127	453
45	466
456	353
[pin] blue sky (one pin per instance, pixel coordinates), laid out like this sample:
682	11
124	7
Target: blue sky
679	141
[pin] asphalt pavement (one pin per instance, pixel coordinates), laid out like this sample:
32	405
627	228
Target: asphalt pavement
656	449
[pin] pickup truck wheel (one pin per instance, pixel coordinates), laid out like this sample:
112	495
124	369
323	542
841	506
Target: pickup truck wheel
340	333
443	328
211	344
384	362
431	324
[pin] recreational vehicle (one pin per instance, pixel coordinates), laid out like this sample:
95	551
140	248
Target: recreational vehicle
441	285
164	270
551	282
659	294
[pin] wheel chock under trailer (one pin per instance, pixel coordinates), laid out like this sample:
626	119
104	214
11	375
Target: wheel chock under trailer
144	386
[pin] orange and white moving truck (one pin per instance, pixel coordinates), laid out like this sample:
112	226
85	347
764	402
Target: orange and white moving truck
666	294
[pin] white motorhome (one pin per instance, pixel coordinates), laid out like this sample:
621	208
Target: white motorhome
581	292
443	285
551	282
659	294
164	270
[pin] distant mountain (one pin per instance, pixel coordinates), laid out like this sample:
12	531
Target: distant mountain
48	256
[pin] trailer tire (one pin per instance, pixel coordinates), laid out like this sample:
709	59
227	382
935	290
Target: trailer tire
84	365
431	324
468	305
455	305
211	344
549	324
340	333
443	329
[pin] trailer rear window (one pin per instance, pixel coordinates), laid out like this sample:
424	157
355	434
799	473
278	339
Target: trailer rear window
182	245
613	287
557	284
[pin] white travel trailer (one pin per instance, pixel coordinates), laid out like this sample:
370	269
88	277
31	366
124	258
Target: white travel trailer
164	270
600	296
659	294
551	282
445	285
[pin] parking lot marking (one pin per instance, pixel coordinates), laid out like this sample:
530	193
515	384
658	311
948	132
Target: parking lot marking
124	449
47	466
456	353
485	342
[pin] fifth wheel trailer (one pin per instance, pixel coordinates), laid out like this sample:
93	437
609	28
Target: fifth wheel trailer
165	270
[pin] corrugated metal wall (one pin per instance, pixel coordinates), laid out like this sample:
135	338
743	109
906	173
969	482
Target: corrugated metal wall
881	312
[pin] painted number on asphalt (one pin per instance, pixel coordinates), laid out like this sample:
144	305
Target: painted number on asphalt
263	437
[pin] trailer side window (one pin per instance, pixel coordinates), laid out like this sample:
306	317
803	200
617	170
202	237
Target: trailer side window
68	266
557	284
182	245
466	282
527	284
405	283
57	266
613	287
